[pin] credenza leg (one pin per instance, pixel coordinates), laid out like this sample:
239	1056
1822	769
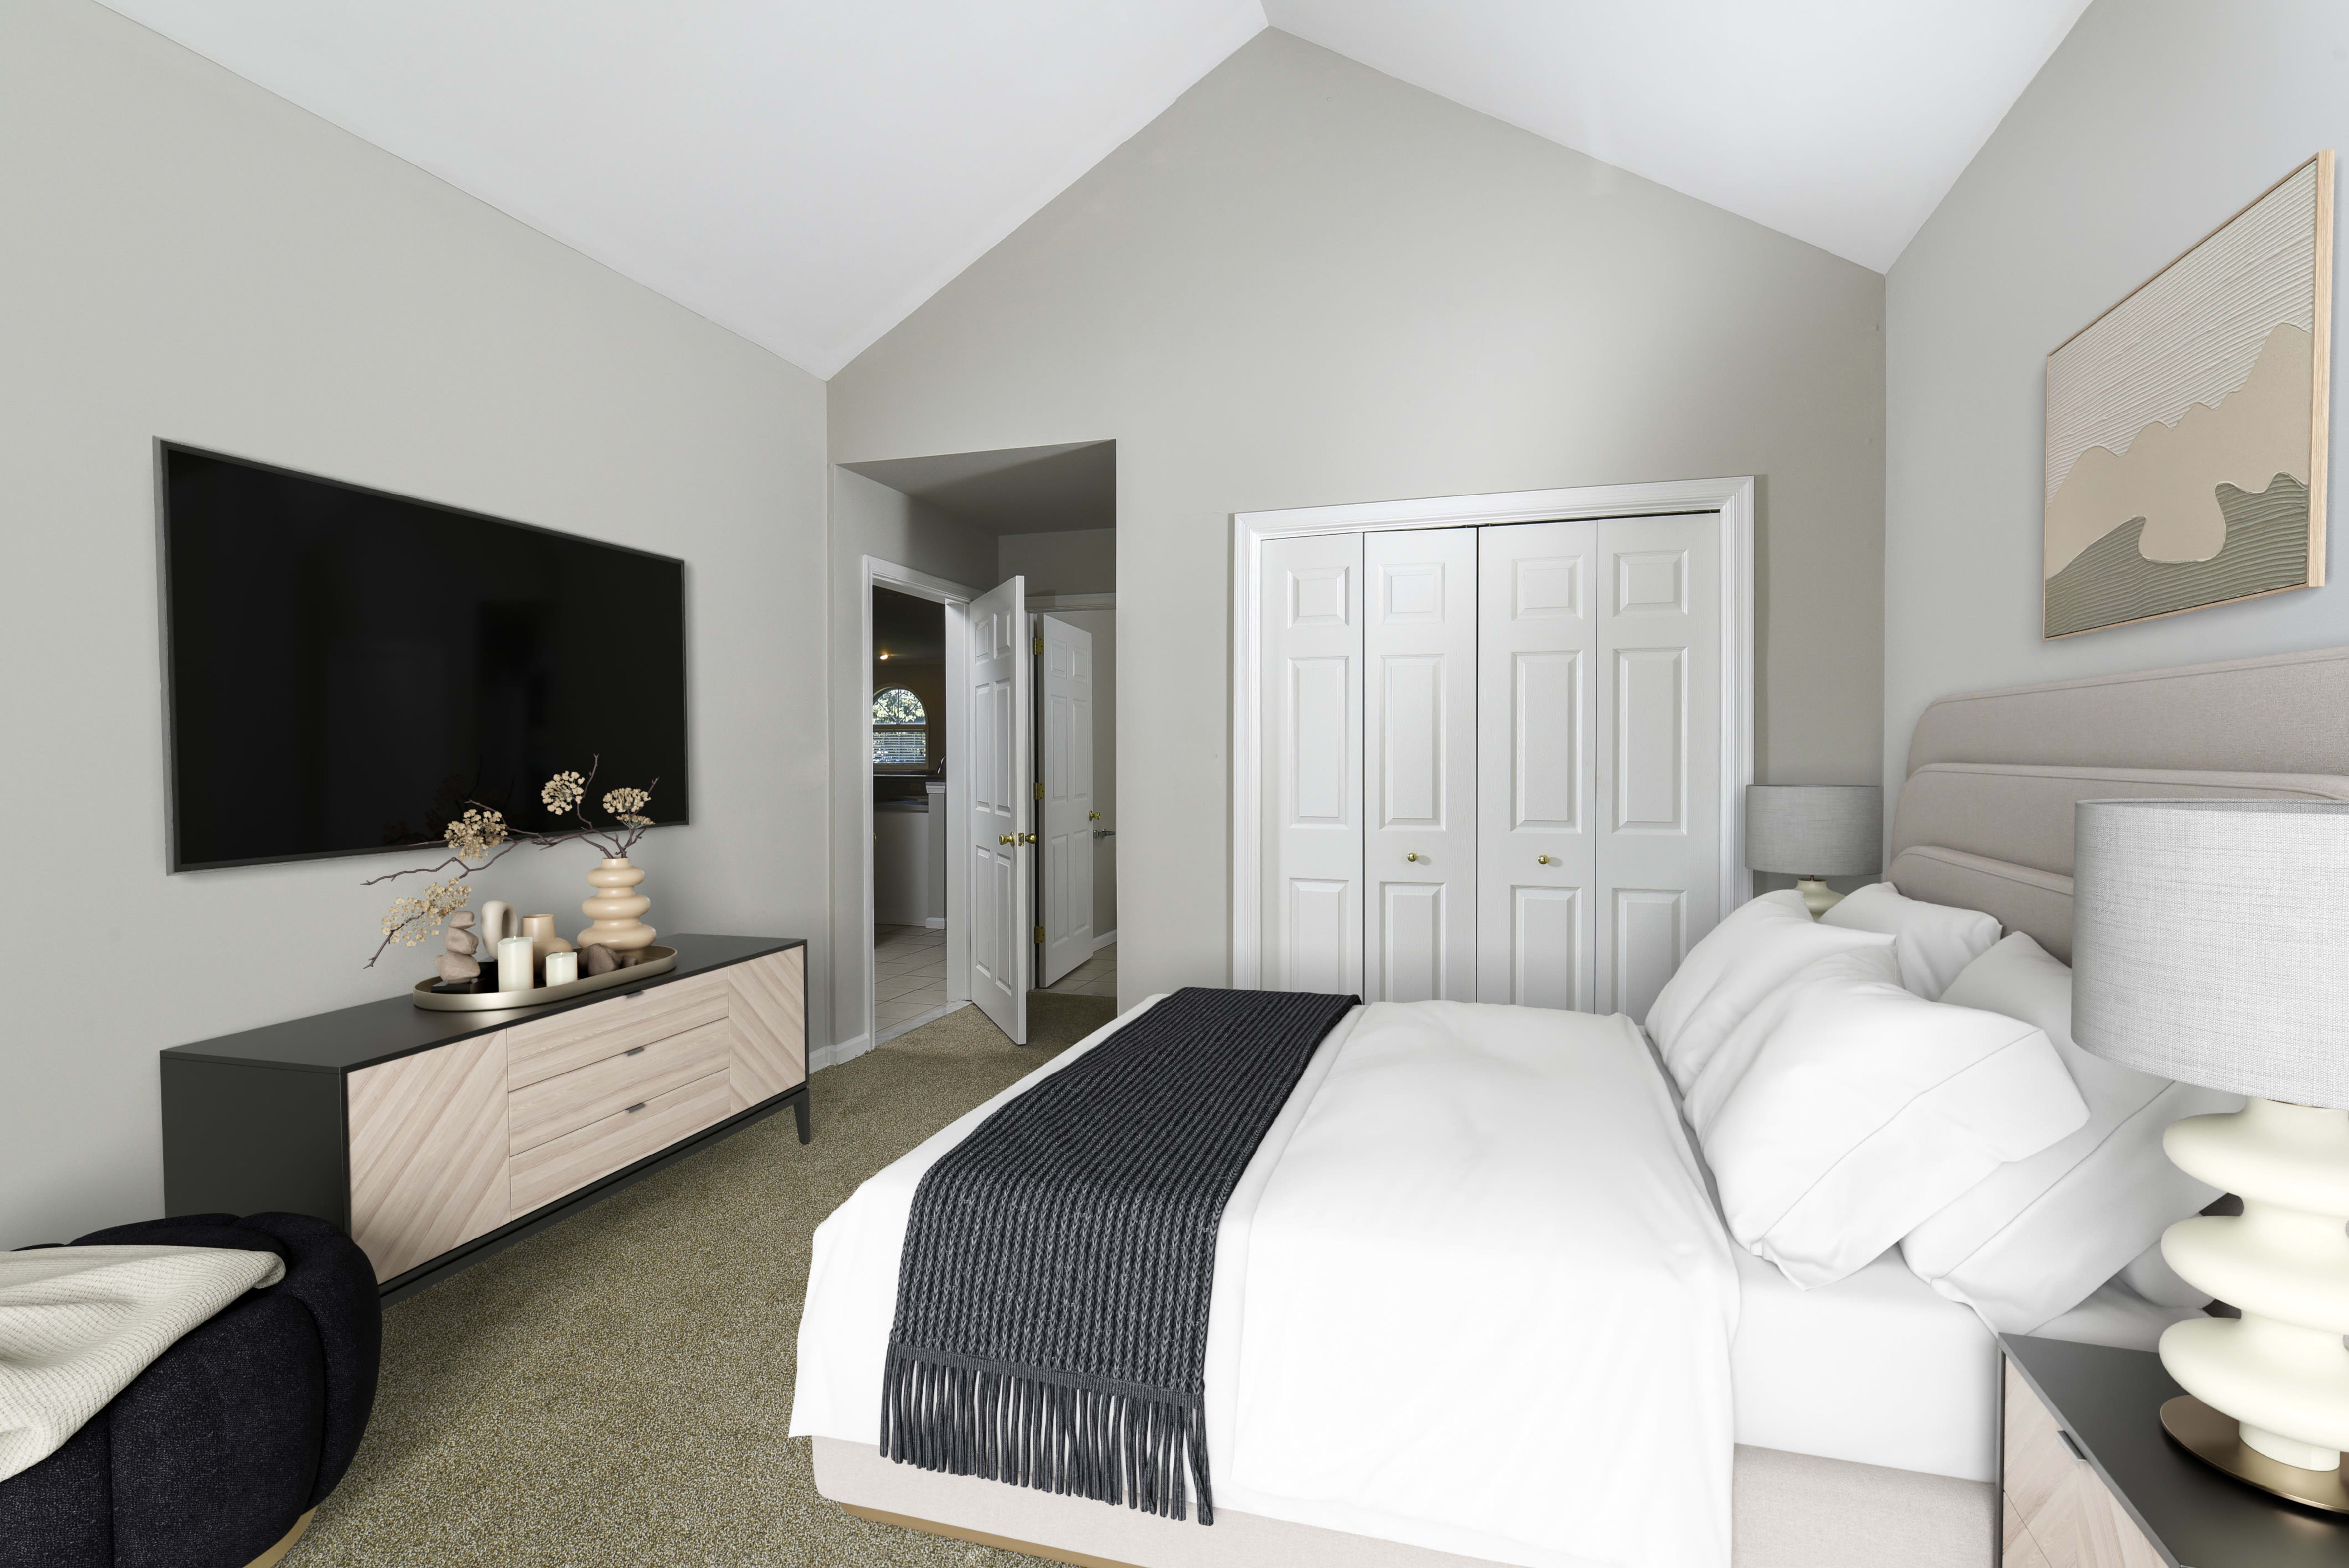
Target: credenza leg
800	1114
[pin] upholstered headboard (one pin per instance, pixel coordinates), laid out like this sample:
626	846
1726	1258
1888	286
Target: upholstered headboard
1984	818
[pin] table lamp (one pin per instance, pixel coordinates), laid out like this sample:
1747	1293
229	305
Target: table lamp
2210	944
1815	831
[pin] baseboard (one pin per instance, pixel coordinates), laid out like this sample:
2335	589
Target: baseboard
932	1016
822	1056
1106	939
935	922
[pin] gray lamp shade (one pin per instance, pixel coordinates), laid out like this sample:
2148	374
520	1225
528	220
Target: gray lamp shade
2210	942
1815	829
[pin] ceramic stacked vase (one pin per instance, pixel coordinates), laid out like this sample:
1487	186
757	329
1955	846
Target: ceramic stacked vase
617	910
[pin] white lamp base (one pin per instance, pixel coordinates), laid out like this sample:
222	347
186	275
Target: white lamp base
2280	1369
1817	897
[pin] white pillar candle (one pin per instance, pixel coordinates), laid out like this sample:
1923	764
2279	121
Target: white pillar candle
561	968
514	957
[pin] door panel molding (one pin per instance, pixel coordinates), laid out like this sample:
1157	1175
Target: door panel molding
1726	504
1420	737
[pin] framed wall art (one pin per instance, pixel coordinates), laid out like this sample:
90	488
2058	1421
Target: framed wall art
2185	426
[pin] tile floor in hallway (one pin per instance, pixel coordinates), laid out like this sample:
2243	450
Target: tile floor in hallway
1096	976
909	975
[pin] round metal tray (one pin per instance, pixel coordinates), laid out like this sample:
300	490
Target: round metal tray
656	961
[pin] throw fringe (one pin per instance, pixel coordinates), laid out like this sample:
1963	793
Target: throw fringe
1034	1429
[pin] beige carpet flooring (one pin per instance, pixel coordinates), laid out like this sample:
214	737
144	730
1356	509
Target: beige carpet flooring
615	1389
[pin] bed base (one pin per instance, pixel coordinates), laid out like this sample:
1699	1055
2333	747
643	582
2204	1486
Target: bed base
1790	1510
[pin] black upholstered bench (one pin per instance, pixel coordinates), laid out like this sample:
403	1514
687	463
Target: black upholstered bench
215	1456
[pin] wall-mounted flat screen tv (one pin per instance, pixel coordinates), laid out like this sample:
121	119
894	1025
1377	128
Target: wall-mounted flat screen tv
345	669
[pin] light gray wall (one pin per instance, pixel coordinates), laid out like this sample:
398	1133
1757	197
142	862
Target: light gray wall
1080	560
868	518
1308	283
2153	123
189	257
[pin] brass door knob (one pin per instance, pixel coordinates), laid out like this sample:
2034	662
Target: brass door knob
1007	839
1411	856
1541	859
1092	816
1026	838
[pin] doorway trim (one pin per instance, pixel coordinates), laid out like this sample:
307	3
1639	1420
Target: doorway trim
1730	499
879	574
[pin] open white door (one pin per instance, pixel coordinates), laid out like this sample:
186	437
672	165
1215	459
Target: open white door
1065	677
1002	781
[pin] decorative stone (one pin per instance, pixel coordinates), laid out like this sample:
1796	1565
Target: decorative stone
631	958
455	968
598	959
463	943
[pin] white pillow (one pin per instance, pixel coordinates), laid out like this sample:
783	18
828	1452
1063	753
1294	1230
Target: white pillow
1935	941
2038	1237
1867	1110
1717	1080
1744	958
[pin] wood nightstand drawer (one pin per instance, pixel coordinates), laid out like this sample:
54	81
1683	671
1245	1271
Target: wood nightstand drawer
2057	1512
568	1041
552	1107
543	1173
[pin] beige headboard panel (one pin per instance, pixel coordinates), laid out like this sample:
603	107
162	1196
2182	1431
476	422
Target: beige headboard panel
1984	818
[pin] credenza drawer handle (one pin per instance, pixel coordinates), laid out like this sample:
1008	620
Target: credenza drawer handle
638	1106
633	1051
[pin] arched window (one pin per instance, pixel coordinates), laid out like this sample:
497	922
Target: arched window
900	729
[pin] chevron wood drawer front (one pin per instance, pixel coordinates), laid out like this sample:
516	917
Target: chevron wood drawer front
552	1107
563	1164
555	1046
2057	1511
768	1011
427	1155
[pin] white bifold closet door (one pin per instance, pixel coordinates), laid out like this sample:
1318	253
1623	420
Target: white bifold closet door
1492	761
1657	714
1310	705
1538	628
1418	704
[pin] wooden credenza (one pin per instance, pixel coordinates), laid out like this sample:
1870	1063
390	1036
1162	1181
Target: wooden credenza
436	1139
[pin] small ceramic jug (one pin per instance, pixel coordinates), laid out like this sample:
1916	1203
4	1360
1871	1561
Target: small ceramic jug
498	923
540	929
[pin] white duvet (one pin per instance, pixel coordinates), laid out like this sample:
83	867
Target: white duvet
1470	1295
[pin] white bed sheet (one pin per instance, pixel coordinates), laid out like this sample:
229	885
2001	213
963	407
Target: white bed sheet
1441	1338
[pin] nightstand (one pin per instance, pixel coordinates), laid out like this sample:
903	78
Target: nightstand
2089	1479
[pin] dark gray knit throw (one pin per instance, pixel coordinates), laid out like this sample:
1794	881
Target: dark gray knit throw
1051	1326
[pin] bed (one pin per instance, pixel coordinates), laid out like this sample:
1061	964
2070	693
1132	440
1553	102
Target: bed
1851	1424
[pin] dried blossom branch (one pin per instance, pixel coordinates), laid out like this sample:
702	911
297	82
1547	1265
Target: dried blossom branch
482	834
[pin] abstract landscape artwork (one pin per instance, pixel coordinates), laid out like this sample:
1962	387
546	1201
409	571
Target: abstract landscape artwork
2185	426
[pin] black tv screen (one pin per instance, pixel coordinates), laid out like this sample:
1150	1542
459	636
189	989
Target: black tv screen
345	668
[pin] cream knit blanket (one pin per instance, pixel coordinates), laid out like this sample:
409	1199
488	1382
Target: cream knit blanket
77	1323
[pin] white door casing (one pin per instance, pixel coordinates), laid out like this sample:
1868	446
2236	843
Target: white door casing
1419	738
1002	775
1537	853
1064	682
1312	803
1659	784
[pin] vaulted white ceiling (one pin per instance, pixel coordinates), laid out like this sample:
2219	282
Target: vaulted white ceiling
808	171
1842	122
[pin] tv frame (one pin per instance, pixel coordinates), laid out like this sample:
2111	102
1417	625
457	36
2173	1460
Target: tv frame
163	448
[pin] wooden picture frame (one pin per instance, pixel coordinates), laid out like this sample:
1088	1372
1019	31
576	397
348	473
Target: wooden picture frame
2185	431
